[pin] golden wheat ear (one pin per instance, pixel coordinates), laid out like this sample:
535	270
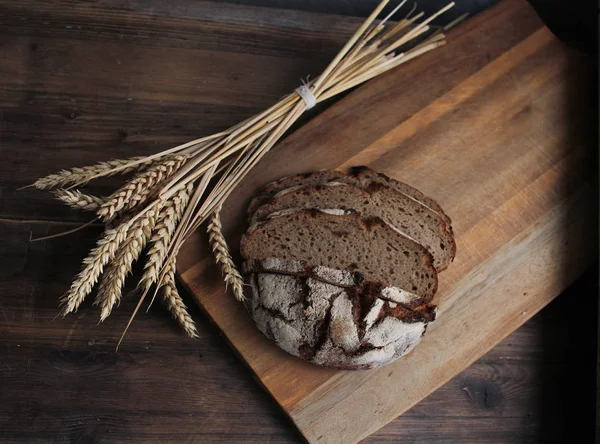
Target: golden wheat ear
218	245
82	175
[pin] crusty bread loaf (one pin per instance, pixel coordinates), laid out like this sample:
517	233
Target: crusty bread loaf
373	200
346	242
341	267
360	176
340	278
330	325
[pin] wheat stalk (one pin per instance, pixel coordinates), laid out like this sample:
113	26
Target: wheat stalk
177	190
140	188
175	304
111	284
82	175
94	263
78	200
167	221
218	245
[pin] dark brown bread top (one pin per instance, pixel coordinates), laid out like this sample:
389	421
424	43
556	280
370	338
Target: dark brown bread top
374	200
346	242
361	176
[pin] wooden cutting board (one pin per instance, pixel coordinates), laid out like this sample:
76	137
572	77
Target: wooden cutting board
488	125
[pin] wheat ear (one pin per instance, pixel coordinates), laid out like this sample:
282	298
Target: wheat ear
140	188
78	200
175	304
167	221
94	263
220	250
111	284
84	174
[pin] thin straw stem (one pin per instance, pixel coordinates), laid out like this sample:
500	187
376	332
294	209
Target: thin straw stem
389	16
183	223
265	115
347	46
217	158
401	26
64	233
188	172
220	192
400	59
417	30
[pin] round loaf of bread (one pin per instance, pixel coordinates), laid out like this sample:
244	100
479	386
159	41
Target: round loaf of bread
343	266
328	318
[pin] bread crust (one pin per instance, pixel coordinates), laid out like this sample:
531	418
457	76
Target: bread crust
330	325
354	175
340	278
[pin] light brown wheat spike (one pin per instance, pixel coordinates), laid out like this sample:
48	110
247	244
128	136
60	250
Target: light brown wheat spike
223	257
166	223
78	200
111	284
82	175
175	304
140	188
93	265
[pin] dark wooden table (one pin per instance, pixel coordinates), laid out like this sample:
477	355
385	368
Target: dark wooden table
87	81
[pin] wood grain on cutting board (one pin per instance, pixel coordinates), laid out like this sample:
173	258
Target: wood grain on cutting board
488	126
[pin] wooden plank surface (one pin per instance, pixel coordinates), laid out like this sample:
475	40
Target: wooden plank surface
83	82
487	127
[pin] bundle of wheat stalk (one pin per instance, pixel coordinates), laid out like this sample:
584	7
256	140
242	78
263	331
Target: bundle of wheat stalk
175	191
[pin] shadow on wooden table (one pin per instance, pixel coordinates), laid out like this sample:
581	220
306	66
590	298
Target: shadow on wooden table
567	403
573	342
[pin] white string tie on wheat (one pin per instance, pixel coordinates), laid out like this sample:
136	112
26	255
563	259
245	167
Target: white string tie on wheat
306	94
